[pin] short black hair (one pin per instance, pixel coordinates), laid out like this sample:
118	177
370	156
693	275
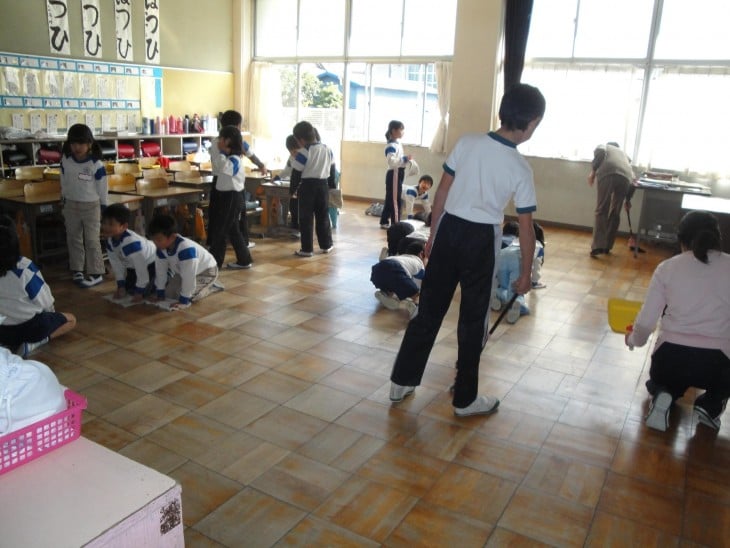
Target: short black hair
292	143
231	118
511	228
414	247
304	131
117	212
426	178
162	224
9	249
521	104
236	140
81	133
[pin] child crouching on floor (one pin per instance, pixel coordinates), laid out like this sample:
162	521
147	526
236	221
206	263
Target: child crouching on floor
398	279
508	270
194	272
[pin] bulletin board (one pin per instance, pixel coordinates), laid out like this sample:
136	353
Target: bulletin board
49	94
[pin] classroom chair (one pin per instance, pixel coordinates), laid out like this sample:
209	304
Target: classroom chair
29	173
121	182
127	167
180	165
10	188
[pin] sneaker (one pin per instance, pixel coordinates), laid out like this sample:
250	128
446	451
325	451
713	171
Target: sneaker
538	285
483	405
78	277
398	392
391	303
328	249
703	417
658	417
91	281
301	253
383	254
251	245
295	235
410	306
217	286
236	266
496	304
513	314
385	227
26	349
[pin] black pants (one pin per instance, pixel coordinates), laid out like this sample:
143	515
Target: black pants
293	206
463	253
130	282
224	224
392	206
675	368
313	204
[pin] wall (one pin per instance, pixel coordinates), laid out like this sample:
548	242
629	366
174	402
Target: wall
188	92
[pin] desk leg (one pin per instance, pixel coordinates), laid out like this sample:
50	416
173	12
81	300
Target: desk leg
31	219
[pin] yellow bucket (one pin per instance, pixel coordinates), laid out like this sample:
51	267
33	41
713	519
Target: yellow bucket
622	313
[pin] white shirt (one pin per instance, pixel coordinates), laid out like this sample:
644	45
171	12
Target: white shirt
131	251
24	293
314	161
186	258
229	171
488	172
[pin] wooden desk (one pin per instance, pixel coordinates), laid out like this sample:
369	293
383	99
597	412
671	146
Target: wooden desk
33	208
170	196
133	202
83	494
276	220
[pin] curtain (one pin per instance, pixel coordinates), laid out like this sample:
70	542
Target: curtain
516	30
265	106
443	81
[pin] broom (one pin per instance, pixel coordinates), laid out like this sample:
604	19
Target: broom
632	239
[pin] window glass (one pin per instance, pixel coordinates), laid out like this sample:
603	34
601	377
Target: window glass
428	27
552	26
694	30
616	29
321	95
586	106
376	28
357	110
321	28
276	28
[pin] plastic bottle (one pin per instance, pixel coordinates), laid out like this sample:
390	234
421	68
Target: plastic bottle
158	128
163	126
171	124
178	125
186	124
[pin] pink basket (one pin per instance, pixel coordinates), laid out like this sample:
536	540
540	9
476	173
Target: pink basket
42	437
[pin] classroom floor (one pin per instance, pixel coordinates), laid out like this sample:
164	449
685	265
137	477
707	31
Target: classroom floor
269	403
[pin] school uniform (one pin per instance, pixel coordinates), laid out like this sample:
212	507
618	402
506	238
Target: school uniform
411	198
488	172
396	161
400	274
84	192
26	303
132	258
312	167
186	271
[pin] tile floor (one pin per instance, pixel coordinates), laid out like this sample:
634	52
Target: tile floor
269	403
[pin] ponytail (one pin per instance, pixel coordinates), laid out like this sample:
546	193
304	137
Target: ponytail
700	232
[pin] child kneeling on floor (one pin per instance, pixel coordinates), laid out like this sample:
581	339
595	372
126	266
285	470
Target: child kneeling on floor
398	279
27	317
508	270
193	269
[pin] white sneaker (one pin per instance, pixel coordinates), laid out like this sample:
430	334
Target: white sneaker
410	306
383	254
328	249
91	281
391	303
703	417
483	405
26	349
236	266
658	417
398	392
78	277
251	245
513	314
495	304
301	253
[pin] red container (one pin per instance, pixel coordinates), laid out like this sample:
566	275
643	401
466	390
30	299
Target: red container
42	437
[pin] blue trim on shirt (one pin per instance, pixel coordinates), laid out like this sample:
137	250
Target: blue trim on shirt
389	150
448	170
300	158
246	147
528	209
187	254
132	247
100	173
236	164
161	254
34	286
185	300
501	139
412	192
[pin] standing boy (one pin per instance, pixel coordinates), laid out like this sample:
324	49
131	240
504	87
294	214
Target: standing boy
481	175
193	268
131	256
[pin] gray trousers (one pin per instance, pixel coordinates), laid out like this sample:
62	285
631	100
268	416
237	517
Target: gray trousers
611	193
83	236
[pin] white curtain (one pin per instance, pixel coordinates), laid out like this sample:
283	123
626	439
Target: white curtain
443	81
265	107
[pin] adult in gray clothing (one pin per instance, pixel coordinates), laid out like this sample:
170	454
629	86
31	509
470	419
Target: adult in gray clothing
611	170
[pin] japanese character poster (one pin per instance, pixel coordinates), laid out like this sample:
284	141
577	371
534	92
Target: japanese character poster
91	23
152	31
58	26
123	23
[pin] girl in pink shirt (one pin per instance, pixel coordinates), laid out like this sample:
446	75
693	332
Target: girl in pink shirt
690	293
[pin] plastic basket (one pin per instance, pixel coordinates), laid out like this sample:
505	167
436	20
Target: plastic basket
622	313
42	437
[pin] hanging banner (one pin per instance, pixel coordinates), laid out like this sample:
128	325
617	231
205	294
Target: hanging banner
123	23
58	26
152	31
91	22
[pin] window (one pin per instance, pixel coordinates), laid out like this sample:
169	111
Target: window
644	73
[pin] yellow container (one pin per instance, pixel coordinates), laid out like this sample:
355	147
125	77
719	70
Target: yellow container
622	313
